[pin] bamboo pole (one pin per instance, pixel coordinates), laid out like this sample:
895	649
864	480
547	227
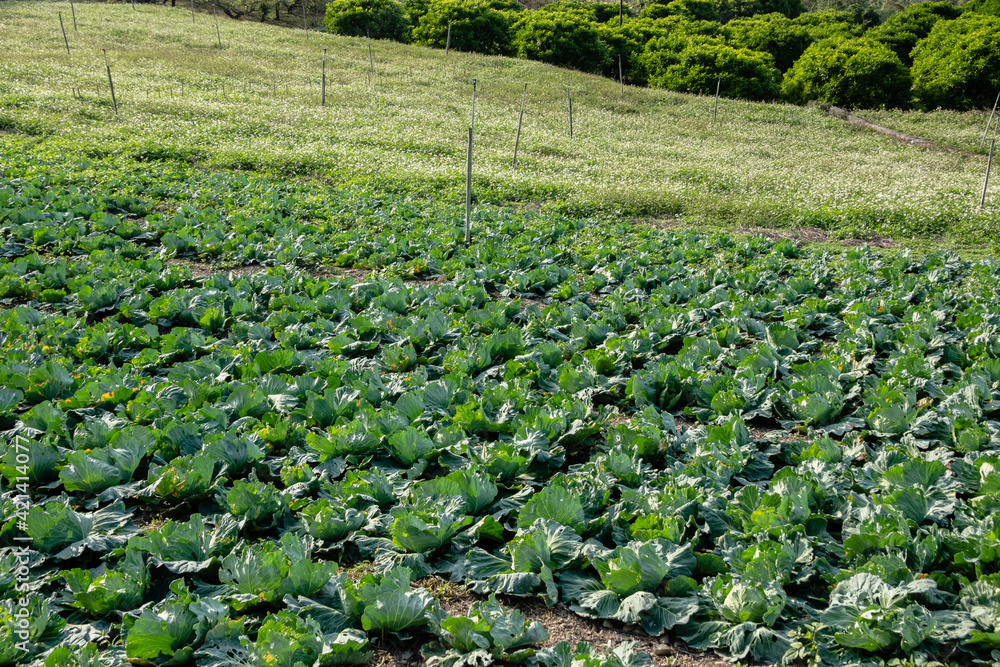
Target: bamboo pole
73	9
472	125
989	122
447	41
520	118
570	98
111	84
715	114
217	33
63	28
989	164
371	61
468	192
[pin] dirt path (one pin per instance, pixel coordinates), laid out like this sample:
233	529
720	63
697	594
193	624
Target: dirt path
907	139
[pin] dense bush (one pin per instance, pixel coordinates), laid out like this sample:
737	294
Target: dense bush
902	31
731	9
830	24
991	7
857	73
958	65
694	10
694	65
564	38
381	19
771	33
415	9
476	27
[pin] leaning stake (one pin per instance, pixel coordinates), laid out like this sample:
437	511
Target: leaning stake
66	41
570	98
304	25
986	181
468	193
371	61
447	41
987	131
715	114
111	84
73	9
517	139
217	33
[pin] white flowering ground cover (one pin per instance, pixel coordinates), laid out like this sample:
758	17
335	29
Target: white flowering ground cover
256	105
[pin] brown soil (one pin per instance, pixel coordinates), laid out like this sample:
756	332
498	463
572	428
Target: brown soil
561	624
204	269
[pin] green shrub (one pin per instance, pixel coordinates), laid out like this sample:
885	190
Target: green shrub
902	31
829	24
598	12
476	27
564	38
693	10
380	19
415	9
991	7
857	73
731	9
770	33
693	64
958	65
630	40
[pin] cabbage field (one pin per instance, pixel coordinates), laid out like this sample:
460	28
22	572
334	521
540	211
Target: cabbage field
246	419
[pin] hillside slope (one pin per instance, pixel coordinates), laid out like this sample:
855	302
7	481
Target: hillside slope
255	105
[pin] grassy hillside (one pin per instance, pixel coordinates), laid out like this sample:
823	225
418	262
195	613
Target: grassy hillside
254	105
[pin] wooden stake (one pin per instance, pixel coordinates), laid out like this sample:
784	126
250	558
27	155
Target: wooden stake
472	125
447	41
217	33
621	77
63	28
986	181
715	114
133	5
468	193
322	101
305	26
517	139
192	12
111	84
570	98
987	131
73	9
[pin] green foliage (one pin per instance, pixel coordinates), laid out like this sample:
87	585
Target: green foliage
902	31
731	9
378	19
830	24
565	38
476	27
695	64
858	73
956	66
771	33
